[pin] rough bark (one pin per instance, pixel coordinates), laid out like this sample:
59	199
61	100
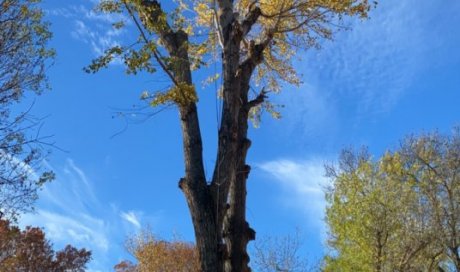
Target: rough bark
218	210
194	183
231	171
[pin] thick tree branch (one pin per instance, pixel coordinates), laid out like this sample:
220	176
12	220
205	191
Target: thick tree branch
154	16
155	52
260	98
225	15
250	20
255	57
193	185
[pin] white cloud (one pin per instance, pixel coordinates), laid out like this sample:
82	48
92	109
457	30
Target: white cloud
86	188
61	12
131	217
98	39
80	230
93	28
70	212
108	18
376	61
364	72
309	112
303	183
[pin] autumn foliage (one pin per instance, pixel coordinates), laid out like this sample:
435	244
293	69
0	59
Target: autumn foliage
29	250
255	42
154	254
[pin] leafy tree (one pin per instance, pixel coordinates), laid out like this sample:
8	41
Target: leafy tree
375	220
29	250
23	57
125	266
254	41
399	213
154	254
432	163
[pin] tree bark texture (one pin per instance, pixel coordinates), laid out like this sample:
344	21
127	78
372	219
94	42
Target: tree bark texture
218	209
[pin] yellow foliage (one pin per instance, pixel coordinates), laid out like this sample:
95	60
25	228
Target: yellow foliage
204	13
153	254
282	26
180	95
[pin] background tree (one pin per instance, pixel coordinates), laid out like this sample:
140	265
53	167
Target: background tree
255	42
153	254
23	57
376	222
280	254
125	266
432	162
399	213
364	216
29	250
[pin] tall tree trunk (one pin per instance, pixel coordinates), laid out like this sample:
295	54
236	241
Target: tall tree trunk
231	171
194	185
218	210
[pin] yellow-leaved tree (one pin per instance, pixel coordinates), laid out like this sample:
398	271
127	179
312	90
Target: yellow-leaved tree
398	213
254	41
376	217
153	254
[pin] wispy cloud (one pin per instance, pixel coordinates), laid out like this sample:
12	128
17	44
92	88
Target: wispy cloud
93	28
61	12
364	72
303	183
131	217
70	212
99	40
309	113
376	61
79	229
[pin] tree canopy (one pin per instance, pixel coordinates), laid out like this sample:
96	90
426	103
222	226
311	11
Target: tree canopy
397	213
154	254
272	32
29	250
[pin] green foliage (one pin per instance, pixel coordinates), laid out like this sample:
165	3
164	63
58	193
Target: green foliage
104	60
432	163
396	213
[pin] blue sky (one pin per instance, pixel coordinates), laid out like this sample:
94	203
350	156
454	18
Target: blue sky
396	74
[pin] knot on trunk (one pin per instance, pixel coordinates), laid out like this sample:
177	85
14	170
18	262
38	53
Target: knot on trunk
246	170
181	183
250	233
246	144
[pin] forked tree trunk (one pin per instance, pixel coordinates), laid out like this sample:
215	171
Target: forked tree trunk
218	209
